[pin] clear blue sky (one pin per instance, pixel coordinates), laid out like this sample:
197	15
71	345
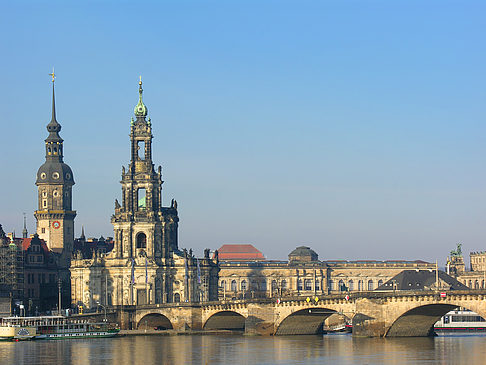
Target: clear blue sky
354	127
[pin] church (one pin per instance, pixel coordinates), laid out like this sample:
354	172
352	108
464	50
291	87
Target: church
146	265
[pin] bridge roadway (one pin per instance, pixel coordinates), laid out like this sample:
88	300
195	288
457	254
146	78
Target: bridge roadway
373	314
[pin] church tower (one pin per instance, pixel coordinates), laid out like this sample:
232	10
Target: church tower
145	265
142	226
54	214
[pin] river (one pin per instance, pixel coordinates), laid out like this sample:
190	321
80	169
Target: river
238	349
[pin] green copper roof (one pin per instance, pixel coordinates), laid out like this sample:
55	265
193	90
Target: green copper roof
140	109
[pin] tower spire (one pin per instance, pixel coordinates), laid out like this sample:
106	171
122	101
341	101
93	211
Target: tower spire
53	75
24	231
140	109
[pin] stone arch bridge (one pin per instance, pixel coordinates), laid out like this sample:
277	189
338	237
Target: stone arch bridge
373	314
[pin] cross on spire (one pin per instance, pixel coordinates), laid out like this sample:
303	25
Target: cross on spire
53	75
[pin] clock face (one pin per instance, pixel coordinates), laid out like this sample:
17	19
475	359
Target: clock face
56	224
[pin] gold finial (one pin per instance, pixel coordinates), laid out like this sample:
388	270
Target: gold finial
53	75
140	82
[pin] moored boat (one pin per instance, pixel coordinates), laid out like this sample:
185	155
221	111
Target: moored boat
460	321
16	333
59	327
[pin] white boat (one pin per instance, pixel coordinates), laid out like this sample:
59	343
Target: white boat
16	332
463	321
59	327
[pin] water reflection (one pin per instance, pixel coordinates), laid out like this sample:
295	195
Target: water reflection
330	349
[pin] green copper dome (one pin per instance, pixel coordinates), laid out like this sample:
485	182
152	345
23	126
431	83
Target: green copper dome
140	109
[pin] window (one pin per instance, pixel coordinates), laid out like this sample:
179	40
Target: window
274	285
342	287
308	284
243	285
284	284
331	285
370	284
380	282
141	198
141	150
141	240
318	286
177	297
233	285
44	203
351	285
299	284
43	230
222	285
263	286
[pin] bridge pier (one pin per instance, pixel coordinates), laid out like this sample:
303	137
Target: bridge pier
260	320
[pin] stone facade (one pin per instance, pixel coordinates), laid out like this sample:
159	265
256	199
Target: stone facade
478	261
146	265
305	275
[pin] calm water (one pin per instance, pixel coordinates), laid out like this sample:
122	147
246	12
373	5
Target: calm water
331	349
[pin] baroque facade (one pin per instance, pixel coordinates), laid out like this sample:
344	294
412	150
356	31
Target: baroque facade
146	265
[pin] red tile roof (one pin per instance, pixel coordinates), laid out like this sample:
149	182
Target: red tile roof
239	252
26	244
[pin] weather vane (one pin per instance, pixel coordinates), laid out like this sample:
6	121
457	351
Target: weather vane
53	75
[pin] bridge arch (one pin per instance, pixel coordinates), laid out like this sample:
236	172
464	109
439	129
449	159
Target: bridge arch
419	321
225	320
154	321
308	321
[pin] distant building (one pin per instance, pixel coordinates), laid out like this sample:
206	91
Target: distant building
304	275
11	269
40	276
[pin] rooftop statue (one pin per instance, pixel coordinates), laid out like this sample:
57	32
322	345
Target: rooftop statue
458	251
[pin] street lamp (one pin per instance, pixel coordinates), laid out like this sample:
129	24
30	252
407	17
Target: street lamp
104	308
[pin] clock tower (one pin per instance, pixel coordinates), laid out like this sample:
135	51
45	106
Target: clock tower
54	214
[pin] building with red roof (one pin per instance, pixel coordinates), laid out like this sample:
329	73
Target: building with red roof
239	252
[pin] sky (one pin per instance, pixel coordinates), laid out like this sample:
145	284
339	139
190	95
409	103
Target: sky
354	127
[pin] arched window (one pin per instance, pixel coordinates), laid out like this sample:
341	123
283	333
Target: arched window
342	287
308	284
360	285
318	286
274	285
254	285
470	284
141	240
233	285
380	283
351	285
370	285
263	285
476	284
177	297
482	284
243	285
331	285
284	284
222	285
299	284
